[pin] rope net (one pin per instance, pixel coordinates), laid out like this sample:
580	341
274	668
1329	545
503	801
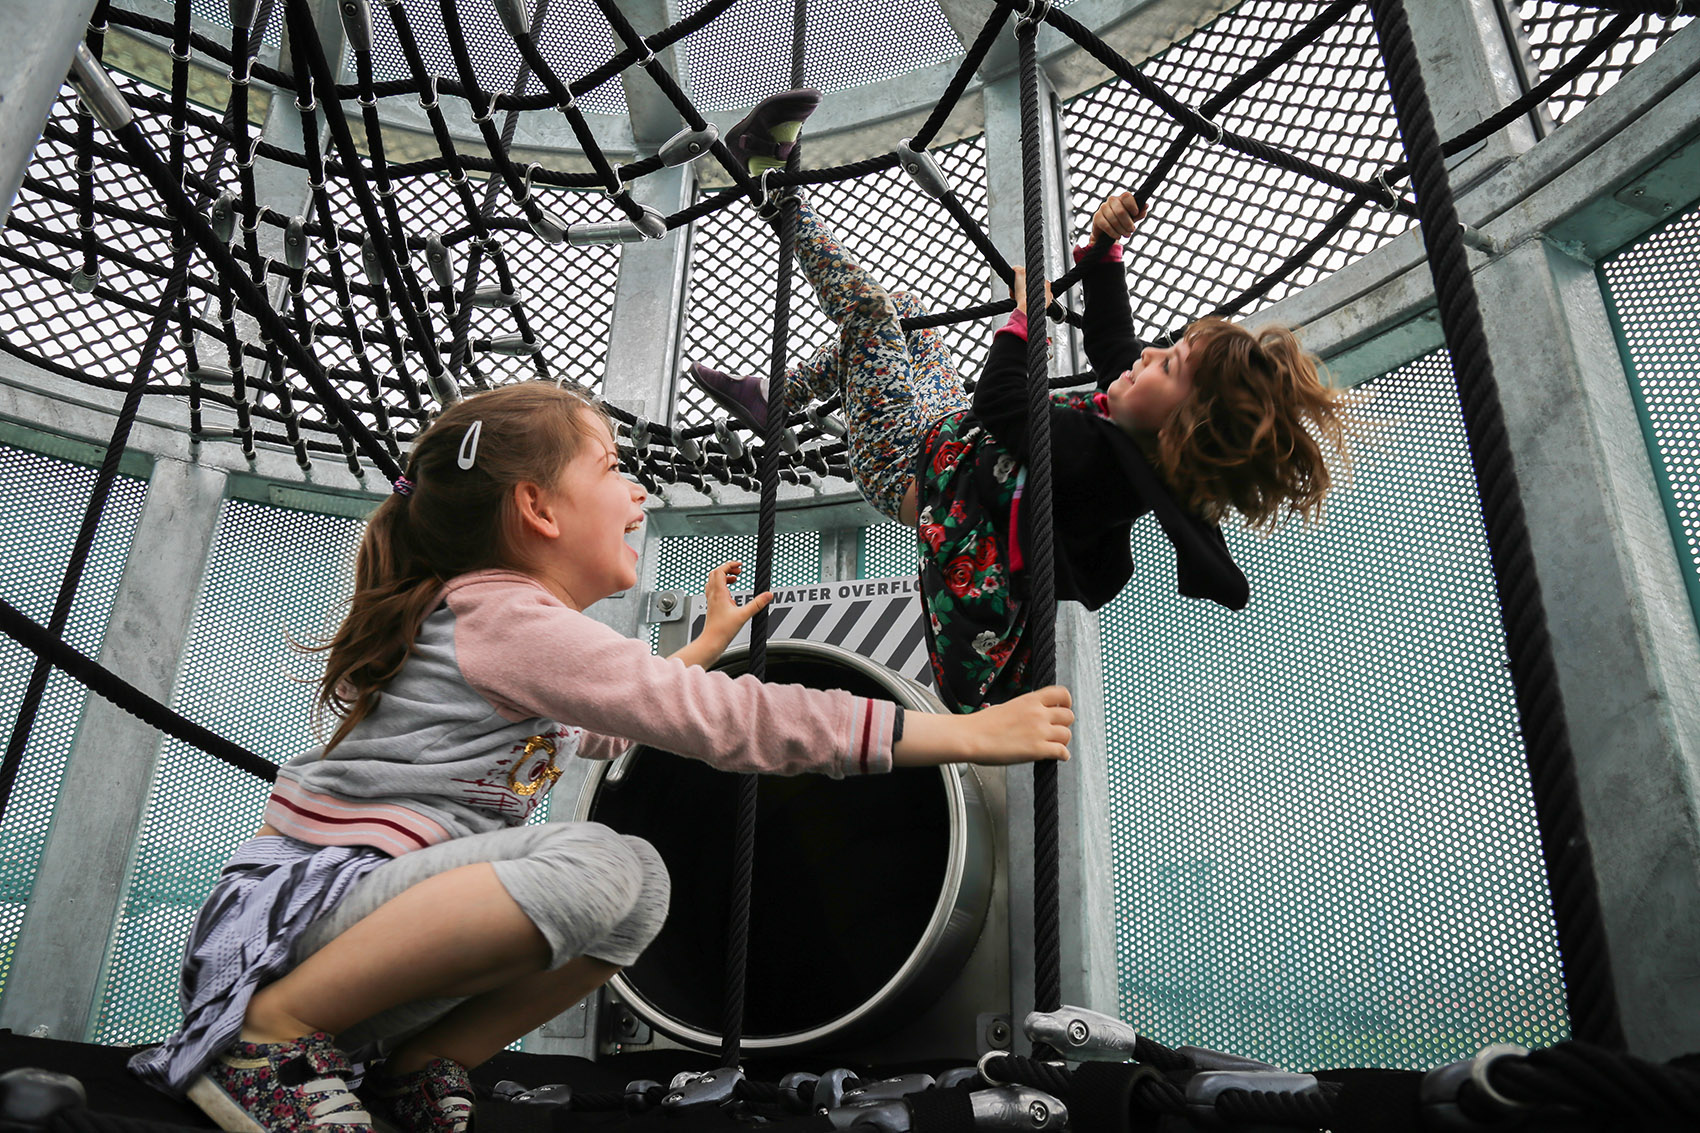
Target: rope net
425	263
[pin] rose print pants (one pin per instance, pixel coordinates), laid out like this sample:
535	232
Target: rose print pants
894	385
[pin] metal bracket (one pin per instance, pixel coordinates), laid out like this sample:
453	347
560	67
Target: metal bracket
688	145
922	170
664	606
1082	1035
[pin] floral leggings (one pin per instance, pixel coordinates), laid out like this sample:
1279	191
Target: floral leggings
894	385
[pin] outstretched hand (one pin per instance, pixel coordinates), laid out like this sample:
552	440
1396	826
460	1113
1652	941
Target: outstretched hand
1034	726
1024	730
1117	217
724	617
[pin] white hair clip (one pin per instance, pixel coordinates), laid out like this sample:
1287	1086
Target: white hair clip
469	445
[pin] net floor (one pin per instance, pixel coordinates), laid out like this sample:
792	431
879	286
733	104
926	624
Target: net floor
112	1091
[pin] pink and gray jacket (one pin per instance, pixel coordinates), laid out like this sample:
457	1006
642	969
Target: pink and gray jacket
505	683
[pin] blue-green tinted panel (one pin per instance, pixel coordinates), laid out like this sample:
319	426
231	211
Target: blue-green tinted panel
683	563
1324	842
275	576
42	502
888	551
1655	293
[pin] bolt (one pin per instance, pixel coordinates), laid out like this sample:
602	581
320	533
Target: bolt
667	602
707	1078
1040	1113
998	1032
672	1099
1078	1032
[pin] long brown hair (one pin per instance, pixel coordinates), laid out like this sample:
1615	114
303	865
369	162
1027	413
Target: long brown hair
454	520
1251	436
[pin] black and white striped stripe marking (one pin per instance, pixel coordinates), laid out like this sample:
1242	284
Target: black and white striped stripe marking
880	618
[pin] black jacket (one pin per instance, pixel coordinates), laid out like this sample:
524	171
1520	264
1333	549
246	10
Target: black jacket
1101	482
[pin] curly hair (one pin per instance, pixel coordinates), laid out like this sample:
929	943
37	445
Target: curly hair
1252	434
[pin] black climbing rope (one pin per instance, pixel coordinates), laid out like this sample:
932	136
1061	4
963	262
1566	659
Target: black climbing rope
1540	707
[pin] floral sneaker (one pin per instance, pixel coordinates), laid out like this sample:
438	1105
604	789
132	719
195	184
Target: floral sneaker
435	1099
281	1088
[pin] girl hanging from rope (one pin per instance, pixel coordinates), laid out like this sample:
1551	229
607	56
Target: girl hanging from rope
1224	420
395	905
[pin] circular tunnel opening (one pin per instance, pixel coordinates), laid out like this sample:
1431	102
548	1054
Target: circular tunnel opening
856	881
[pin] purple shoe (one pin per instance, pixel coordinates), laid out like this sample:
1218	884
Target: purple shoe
767	135
435	1099
741	397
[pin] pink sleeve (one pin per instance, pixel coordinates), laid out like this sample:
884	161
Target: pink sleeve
1017	325
594	746
1113	256
530	655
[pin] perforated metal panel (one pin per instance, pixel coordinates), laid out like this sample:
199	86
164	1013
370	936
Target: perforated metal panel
1552	30
882	222
1324	843
274	576
1221	221
42	500
1654	289
745	54
888	551
683	563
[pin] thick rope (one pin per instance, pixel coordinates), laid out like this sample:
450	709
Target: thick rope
1540	706
1041	598
52	650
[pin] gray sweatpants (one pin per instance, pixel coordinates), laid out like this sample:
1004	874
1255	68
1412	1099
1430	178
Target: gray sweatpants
589	890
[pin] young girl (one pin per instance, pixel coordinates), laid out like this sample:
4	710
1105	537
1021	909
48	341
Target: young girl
394	903
1223	420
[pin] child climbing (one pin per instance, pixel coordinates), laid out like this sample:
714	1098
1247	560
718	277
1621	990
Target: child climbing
1225	420
394	905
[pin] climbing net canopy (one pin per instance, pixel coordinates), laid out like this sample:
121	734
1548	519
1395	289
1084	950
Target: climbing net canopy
477	147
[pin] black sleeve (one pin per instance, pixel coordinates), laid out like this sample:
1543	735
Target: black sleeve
1000	404
1111	345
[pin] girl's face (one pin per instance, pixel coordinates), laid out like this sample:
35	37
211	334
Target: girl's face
597	507
1142	399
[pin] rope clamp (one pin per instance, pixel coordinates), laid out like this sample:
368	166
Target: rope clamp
253	148
1085	1036
1217	140
242	79
984	1072
1203	1088
768	207
489	109
521	197
570	105
648	54
368	100
1018	1108
1392	204
98	92
430	85
922	170
1483	1062
187	56
1035	11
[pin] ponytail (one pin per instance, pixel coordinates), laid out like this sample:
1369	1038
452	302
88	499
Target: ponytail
459	517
